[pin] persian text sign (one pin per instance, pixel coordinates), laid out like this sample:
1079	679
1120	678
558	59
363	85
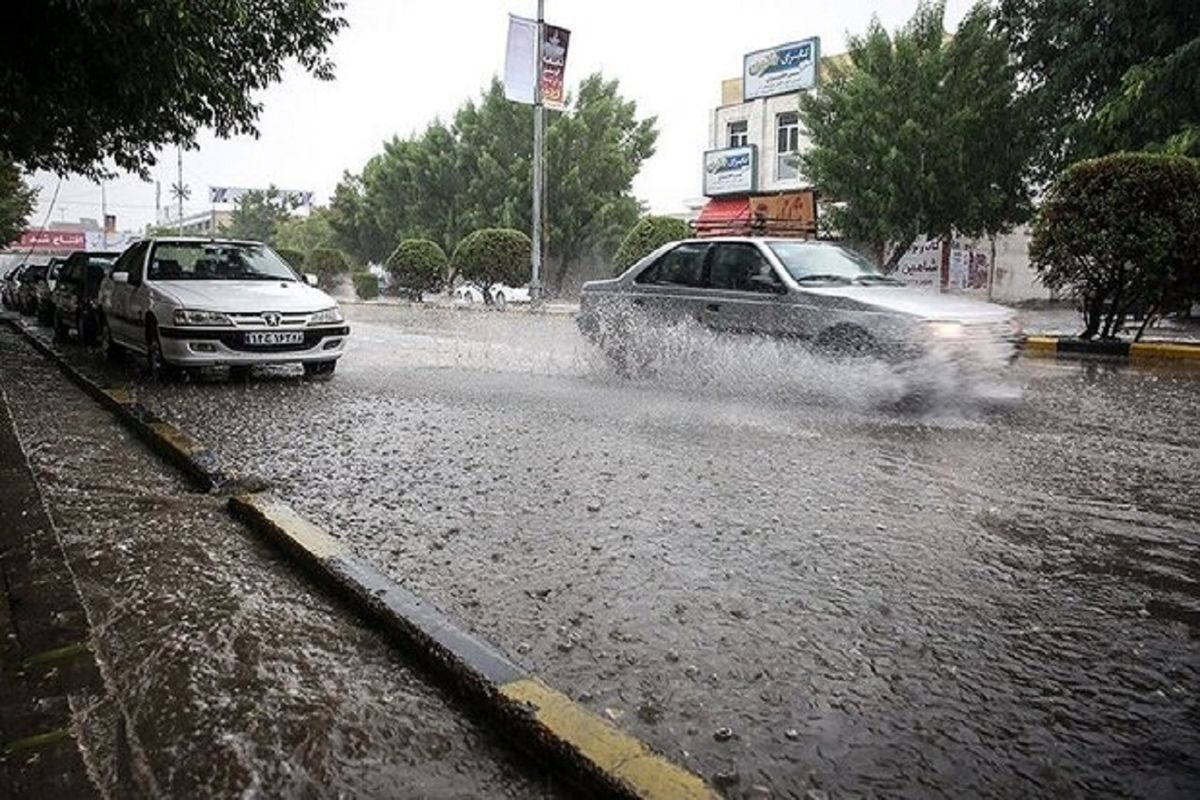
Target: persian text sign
780	70
554	66
921	265
53	240
521	70
730	171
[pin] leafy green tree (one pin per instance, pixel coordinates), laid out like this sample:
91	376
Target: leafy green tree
920	134
366	285
305	233
1122	233
328	265
294	258
16	202
259	215
650	233
85	82
1106	75
491	256
419	265
476	173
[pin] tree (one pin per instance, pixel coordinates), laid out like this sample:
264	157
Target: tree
919	134
366	285
328	265
16	202
307	233
294	258
259	215
491	256
1106	75
650	233
418	265
1122	233
476	173
86	82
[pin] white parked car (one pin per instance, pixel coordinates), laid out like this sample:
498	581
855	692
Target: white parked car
190	302
502	294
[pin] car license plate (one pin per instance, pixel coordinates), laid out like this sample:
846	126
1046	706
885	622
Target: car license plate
275	337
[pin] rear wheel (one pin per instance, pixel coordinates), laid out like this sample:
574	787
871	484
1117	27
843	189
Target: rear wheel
61	329
317	369
500	301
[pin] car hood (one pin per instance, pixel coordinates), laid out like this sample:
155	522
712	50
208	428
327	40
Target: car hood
919	303
246	296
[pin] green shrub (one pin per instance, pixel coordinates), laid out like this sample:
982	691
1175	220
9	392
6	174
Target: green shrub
294	258
417	265
328	265
1121	234
366	285
493	255
649	234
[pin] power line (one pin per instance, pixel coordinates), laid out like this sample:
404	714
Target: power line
46	219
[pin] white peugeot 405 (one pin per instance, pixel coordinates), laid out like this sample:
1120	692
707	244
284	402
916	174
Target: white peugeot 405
190	302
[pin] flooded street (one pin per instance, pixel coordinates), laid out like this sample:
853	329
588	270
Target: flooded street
751	560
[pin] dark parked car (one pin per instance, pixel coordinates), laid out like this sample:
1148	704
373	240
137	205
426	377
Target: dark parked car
73	302
8	292
44	288
27	287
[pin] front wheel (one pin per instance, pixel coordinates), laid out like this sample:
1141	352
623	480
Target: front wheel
500	301
61	329
110	350
318	369
160	368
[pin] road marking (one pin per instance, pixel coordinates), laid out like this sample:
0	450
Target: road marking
618	755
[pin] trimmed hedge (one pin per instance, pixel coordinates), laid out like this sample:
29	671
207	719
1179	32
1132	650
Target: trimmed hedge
649	234
328	265
366	285
1122	233
417	265
493	255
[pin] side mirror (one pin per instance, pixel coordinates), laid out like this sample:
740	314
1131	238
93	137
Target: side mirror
765	284
120	277
310	279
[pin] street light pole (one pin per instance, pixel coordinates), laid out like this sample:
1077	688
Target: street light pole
535	285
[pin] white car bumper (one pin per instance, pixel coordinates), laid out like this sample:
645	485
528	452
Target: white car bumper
212	347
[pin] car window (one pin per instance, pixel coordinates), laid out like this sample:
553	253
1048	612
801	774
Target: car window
131	262
681	266
741	267
216	261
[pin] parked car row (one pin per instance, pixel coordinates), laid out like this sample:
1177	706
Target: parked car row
184	303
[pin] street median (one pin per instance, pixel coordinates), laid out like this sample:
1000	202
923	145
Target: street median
1071	347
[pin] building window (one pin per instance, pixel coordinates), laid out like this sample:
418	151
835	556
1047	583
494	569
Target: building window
739	133
787	146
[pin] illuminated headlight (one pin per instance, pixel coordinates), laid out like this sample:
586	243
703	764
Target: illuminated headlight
944	330
188	316
326	317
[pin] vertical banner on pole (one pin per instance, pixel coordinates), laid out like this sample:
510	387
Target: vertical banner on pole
519	57
554	66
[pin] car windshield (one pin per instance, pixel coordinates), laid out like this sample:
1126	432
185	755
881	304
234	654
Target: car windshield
806	261
217	261
34	273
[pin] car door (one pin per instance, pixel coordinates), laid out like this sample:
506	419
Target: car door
670	289
123	320
745	292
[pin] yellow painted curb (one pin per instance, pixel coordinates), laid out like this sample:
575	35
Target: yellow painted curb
119	395
286	522
1164	350
176	438
1041	345
644	772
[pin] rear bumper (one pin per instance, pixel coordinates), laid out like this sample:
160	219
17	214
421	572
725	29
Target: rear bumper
187	347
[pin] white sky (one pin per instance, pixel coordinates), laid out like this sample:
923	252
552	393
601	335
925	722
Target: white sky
400	64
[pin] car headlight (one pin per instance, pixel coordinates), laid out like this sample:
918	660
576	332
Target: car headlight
944	330
329	315
189	316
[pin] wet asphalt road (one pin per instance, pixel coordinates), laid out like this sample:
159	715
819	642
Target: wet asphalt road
970	600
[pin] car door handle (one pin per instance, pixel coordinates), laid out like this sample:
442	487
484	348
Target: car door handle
637	301
713	307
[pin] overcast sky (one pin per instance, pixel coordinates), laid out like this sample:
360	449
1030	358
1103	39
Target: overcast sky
400	64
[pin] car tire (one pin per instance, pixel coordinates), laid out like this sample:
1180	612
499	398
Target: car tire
239	373
499	301
319	369
108	348
61	329
160	369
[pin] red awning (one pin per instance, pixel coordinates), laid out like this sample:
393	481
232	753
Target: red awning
724	216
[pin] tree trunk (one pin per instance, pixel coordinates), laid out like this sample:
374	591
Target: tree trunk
1151	313
1093	309
560	274
898	253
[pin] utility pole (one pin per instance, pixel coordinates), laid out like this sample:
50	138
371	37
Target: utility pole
179	194
535	285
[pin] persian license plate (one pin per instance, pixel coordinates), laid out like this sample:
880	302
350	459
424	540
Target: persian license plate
275	337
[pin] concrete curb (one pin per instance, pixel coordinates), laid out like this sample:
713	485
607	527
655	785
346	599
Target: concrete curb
548	723
201	465
1069	347
515	308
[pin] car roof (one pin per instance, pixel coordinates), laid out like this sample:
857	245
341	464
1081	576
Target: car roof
200	239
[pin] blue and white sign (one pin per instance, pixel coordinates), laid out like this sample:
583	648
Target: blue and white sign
733	170
781	70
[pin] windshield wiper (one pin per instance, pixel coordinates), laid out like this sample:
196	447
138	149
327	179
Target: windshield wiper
877	279
838	278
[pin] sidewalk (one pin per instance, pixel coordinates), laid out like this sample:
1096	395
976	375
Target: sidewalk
223	672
